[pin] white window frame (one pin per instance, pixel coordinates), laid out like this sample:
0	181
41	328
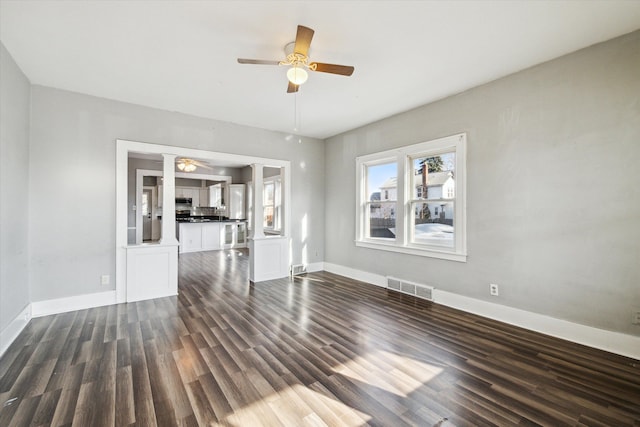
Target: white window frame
404	215
276	181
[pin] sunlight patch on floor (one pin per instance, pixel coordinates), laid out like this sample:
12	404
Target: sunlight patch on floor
297	405
402	376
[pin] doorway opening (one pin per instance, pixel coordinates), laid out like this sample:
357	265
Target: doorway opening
147	263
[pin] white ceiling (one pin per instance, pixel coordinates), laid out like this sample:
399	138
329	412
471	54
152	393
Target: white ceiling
181	55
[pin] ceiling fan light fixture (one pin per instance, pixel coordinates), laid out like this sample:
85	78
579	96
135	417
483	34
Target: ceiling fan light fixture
297	75
187	166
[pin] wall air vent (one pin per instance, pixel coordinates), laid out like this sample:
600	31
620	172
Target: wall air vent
410	288
297	269
393	284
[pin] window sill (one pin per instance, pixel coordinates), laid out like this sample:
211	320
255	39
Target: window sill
449	256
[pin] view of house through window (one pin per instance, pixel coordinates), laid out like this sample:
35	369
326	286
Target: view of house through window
432	201
381	188
272	202
412	199
268	204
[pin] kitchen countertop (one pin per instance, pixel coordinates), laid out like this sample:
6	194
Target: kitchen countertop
207	220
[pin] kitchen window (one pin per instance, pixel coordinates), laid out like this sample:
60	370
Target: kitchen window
412	199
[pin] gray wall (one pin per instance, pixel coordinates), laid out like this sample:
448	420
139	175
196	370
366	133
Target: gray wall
553	188
15	92
72	174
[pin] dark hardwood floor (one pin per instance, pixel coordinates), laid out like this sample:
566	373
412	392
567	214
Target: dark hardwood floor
316	350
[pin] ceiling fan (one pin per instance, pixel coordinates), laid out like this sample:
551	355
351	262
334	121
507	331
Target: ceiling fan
190	165
297	58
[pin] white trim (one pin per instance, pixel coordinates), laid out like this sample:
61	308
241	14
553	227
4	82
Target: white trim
352	273
9	334
77	302
314	266
382	246
614	342
402	158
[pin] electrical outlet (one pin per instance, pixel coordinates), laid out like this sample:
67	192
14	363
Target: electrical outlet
104	279
493	289
635	318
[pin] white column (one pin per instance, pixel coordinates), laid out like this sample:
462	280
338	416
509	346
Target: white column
285	194
169	200
257	225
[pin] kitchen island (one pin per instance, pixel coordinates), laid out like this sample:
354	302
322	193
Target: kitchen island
204	235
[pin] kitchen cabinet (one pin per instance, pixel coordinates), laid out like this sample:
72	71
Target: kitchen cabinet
189	193
204	197
199	236
234	235
198	196
211	236
194	194
190	237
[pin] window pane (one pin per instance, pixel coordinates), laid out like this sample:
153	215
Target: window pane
439	182
382	220
382	182
278	203
145	203
268	216
433	223
268	193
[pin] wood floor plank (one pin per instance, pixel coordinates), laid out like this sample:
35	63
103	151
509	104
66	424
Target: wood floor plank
312	350
124	400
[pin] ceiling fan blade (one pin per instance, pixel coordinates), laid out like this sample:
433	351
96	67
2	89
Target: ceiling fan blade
343	70
257	61
292	88
303	40
201	165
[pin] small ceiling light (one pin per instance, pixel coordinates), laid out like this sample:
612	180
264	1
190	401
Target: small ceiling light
190	167
297	75
181	166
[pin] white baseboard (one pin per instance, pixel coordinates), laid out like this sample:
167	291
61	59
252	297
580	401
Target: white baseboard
77	302
614	342
315	266
13	329
352	273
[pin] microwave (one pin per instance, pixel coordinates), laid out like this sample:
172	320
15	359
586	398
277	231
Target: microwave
183	202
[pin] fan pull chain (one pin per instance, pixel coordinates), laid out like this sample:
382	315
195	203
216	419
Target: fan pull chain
295	112
296	119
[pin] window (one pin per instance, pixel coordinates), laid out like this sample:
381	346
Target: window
272	202
268	204
422	208
380	214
